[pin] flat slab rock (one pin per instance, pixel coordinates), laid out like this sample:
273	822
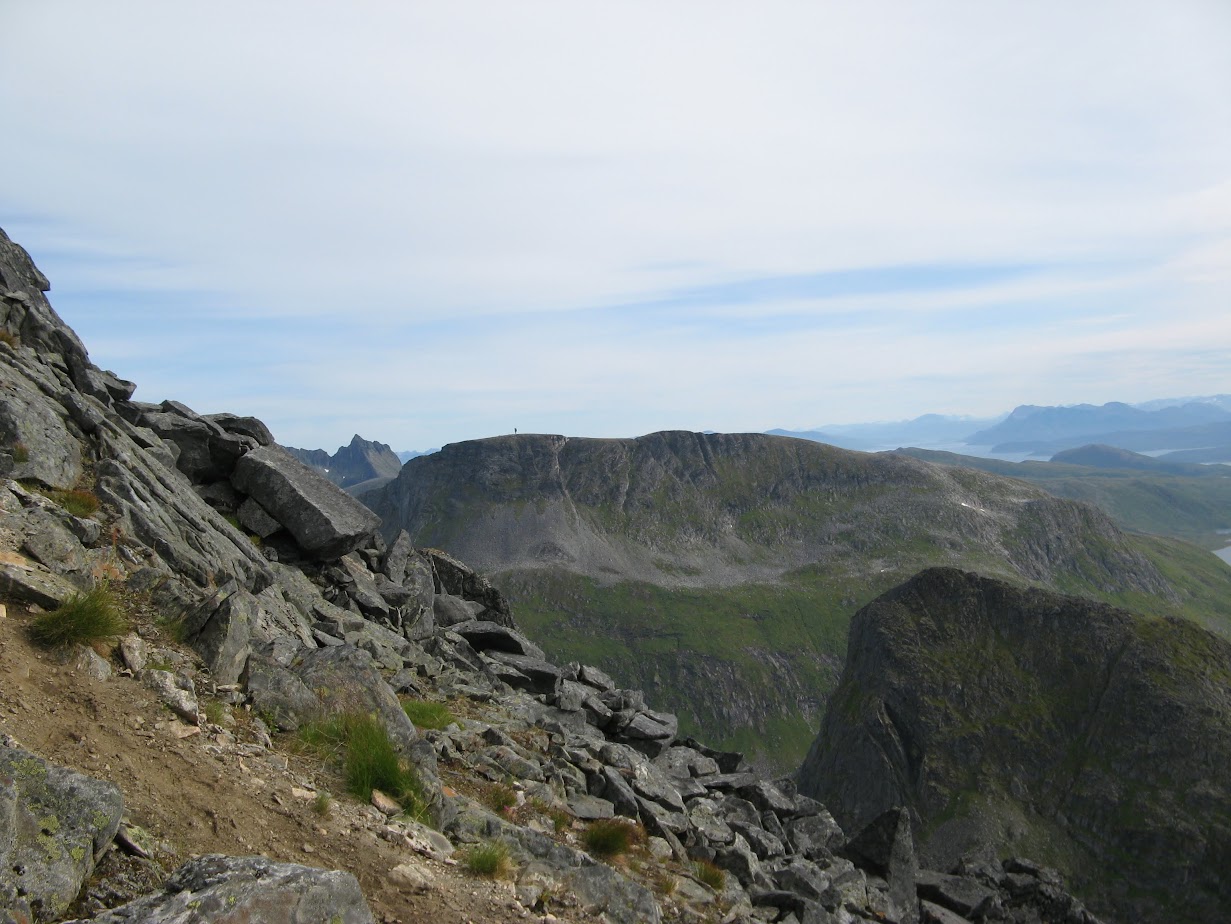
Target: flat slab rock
325	521
230	890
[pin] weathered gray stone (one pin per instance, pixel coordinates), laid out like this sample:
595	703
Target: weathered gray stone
708	822
22	579
797	875
763	844
541	677
153	506
215	889
886	846
206	451
278	692
250	427
490	636
89	662
220	630
398	556
595	678
53	545
590	808
682	762
345	679
814	836
31	420
176	691
448	610
325	520
54	825
457	579
966	896
936	914
256	519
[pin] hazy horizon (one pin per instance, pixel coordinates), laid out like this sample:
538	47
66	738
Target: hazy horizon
428	223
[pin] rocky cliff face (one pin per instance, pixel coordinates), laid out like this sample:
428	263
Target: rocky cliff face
299	612
1025	720
361	465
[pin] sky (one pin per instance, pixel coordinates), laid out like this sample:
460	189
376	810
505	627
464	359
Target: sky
425	222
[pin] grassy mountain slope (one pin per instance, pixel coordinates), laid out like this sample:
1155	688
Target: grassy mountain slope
719	572
1182	505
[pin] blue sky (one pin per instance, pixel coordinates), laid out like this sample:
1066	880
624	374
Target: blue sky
428	222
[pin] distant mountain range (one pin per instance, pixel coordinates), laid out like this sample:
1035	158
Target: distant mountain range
1193	430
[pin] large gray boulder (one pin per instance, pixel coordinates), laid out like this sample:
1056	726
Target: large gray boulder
207	452
214	889
325	521
54	825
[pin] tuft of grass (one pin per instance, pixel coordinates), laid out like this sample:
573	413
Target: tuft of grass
85	618
7	336
610	837
369	759
709	874
215	712
427	715
21	453
500	797
490	859
323	804
78	503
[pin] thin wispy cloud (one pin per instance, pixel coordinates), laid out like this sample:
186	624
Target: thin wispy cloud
419	220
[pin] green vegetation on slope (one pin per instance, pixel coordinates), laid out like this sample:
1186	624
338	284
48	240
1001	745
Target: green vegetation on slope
1195	508
750	667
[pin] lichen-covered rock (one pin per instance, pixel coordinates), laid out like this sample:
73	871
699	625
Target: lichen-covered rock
54	824
215	889
325	521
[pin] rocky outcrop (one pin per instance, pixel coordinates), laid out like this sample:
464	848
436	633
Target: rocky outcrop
225	889
325	524
1006	717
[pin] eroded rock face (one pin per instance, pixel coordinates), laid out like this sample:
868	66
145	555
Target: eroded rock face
325	520
228	890
994	711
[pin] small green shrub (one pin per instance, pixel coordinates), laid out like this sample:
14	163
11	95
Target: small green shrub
500	797
369	759
78	503
21	453
93	616
428	715
609	837
560	819
709	874
489	859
